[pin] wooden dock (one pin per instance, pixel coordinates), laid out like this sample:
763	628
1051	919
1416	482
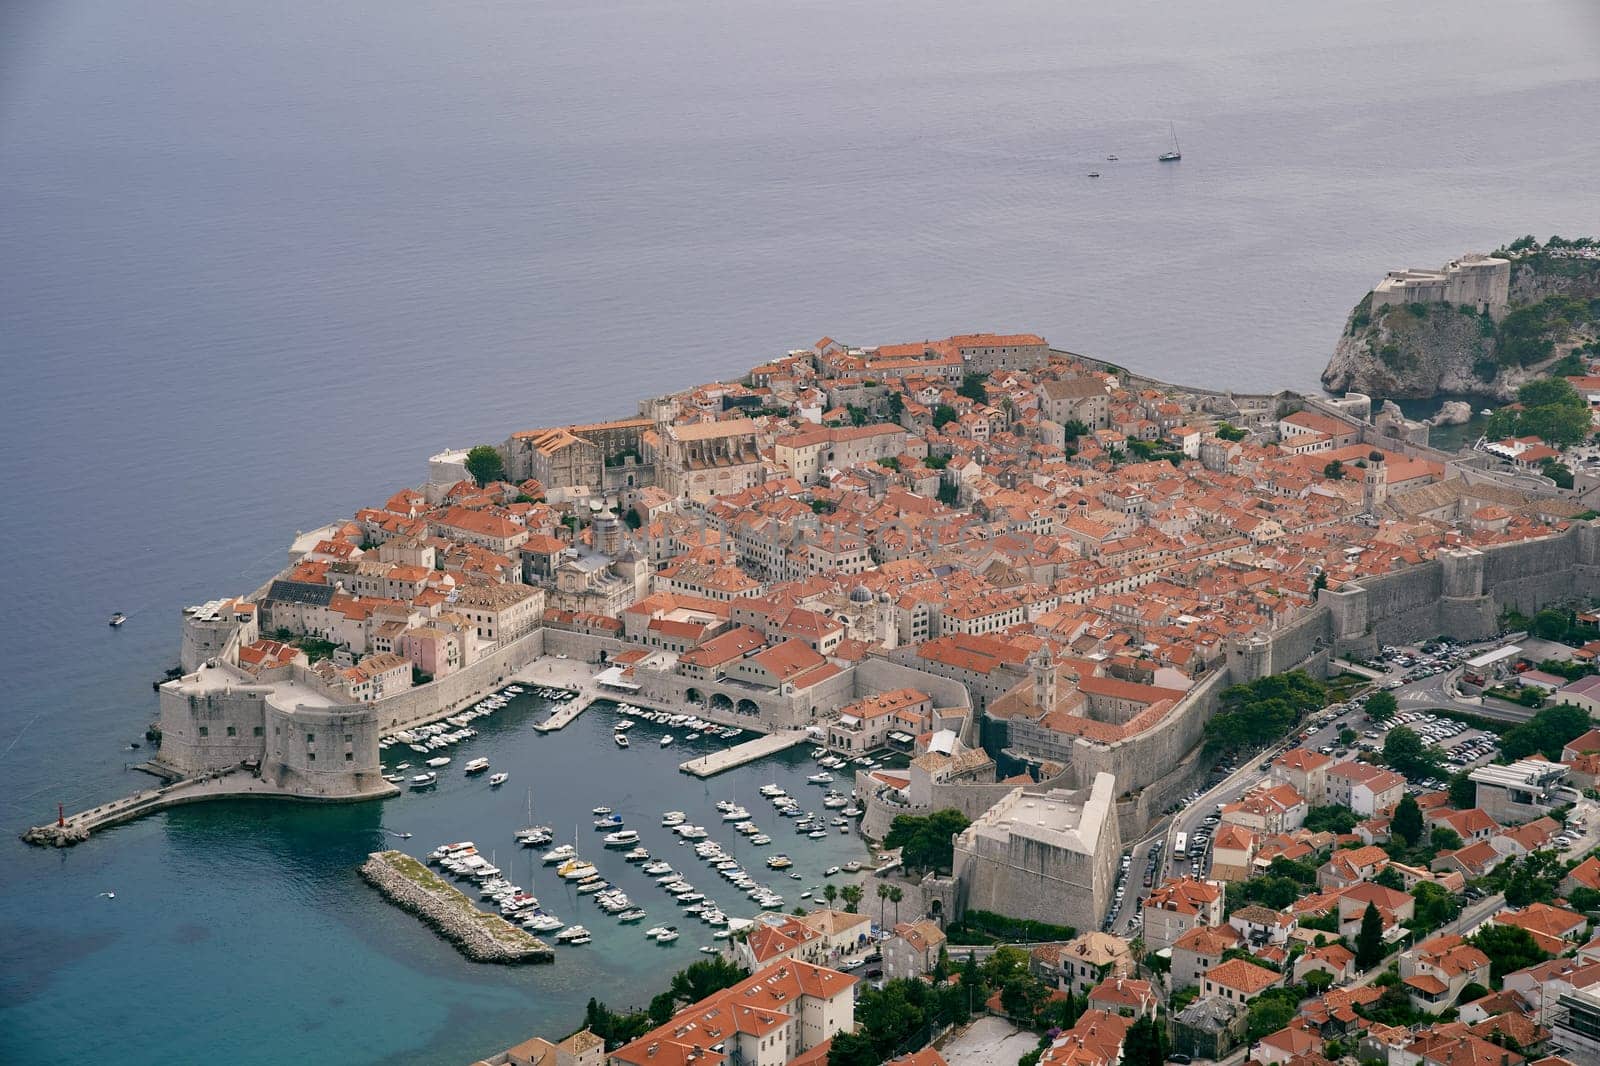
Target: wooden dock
565	715
739	754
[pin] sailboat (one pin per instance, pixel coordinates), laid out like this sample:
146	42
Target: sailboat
1174	155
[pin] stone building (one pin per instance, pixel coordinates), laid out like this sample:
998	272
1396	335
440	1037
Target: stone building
1047	856
500	613
810	452
589	457
1478	281
702	460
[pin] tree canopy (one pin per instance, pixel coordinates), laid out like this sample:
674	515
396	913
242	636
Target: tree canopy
485	465
1266	708
1381	706
1407	823
1509	948
1405	752
1545	733
926	842
1369	941
1551	409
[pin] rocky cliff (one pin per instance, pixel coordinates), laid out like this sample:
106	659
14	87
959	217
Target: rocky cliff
1423	350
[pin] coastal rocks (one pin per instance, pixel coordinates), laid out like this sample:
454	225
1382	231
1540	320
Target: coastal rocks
56	836
1452	413
411	886
1396	352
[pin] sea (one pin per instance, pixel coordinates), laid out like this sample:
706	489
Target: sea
258	261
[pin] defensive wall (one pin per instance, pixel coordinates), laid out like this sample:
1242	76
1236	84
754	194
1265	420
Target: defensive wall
217	718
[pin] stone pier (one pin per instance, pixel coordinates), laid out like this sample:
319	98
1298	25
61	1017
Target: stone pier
749	751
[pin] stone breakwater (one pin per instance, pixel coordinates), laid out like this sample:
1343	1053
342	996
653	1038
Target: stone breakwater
411	886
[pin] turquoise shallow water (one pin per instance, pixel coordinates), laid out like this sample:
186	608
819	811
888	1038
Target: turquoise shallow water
271	891
261	260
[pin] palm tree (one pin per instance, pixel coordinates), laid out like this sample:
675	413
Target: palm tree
852	896
895	896
831	894
883	901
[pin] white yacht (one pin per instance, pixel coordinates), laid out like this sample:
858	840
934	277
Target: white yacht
439	760
621	838
666	741
673	818
496	780
560	853
477	766
736	814
427	780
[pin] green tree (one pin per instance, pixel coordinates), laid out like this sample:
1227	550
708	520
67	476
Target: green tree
1381	706
1404	751
1463	792
1434	906
1268	1014
1145	1044
1443	838
1022	996
1334	471
1509	949
895	896
1550	624
1347	736
1407	823
1073	429
1333	818
485	465
1318	981
926	842
700	979
852	897
972	387
831	894
1369	941
883	904
853	1049
1545	733
944	414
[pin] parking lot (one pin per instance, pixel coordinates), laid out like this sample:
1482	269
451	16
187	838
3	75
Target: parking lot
1462	746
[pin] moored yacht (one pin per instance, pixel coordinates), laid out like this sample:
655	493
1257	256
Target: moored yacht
427	780
477	766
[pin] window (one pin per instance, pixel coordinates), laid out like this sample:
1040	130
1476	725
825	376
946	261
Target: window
349	756
311	757
348	737
258	731
232	732
311	738
205	731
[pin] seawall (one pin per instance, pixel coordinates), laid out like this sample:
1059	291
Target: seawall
411	886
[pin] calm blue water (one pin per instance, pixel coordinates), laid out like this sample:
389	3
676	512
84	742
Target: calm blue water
258	261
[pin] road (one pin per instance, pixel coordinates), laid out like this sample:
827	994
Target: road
1429	693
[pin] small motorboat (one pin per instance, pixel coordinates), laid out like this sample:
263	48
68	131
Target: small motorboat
1111	159
621	739
477	766
496	780
638	855
707	949
601	810
117	618
571	932
666	741
427	780
560	854
668	936
610	821
439	760
780	862
823	778
655	931
621	838
634	915
1094	173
